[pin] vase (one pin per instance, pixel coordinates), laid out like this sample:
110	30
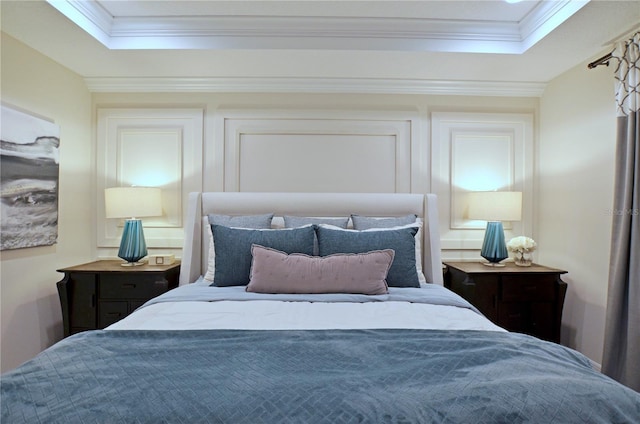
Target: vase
522	259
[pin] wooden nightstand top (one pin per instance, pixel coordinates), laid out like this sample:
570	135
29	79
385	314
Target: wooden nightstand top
114	266
509	268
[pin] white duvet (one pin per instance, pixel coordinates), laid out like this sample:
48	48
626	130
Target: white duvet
283	315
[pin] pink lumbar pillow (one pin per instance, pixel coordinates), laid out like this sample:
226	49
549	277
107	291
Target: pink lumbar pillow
273	271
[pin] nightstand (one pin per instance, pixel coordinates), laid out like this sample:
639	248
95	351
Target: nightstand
97	294
520	299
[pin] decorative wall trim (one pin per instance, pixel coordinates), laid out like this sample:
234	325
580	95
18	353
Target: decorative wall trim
392	142
149	147
318	155
314	85
479	152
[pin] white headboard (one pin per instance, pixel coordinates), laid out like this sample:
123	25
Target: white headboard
196	241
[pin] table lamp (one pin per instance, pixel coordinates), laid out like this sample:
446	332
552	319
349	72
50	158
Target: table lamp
132	203
495	207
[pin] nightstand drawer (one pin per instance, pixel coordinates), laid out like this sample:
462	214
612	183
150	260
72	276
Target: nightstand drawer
141	287
527	288
111	312
514	316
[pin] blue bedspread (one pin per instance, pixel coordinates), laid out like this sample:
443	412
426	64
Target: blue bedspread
320	376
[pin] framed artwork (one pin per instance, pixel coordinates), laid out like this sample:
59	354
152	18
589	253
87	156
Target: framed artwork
29	171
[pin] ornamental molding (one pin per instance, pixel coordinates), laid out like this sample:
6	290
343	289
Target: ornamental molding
313	85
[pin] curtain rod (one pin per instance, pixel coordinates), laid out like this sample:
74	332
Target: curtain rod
604	60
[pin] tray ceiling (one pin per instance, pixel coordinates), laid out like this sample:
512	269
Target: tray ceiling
439	26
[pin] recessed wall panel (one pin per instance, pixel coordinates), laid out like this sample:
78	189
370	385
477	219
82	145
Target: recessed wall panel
153	158
148	147
479	152
480	161
346	154
317	163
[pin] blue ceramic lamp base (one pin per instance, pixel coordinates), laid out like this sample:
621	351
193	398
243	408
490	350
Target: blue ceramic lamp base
132	246
494	248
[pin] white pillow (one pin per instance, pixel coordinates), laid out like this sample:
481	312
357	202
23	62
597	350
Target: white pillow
211	260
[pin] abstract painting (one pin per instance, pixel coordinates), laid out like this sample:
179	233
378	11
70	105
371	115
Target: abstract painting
29	167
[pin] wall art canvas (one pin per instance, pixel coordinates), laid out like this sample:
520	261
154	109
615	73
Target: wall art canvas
29	169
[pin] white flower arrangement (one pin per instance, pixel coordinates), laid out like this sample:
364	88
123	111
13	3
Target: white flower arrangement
522	244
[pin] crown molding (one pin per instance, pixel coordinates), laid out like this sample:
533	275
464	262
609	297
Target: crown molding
313	85
545	18
305	32
89	16
312	32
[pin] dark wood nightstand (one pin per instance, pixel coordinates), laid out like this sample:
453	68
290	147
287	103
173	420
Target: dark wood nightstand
97	294
521	299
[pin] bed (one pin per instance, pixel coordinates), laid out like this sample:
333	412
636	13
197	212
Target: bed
326	325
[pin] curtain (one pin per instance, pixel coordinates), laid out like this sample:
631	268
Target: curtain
621	355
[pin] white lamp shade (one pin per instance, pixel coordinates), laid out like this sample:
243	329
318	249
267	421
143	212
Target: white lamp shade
495	205
130	202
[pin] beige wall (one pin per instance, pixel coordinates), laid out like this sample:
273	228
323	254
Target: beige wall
577	146
31	318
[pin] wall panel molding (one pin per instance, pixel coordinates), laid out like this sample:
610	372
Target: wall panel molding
307	150
148	147
479	152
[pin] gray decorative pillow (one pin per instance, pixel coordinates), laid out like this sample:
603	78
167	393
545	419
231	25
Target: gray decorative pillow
403	271
300	221
273	271
242	221
367	222
233	249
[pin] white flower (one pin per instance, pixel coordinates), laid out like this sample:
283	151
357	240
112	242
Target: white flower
521	244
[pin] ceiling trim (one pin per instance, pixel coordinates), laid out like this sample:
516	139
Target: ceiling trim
537	25
309	32
313	85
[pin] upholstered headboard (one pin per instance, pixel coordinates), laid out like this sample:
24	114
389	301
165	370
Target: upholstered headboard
196	241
